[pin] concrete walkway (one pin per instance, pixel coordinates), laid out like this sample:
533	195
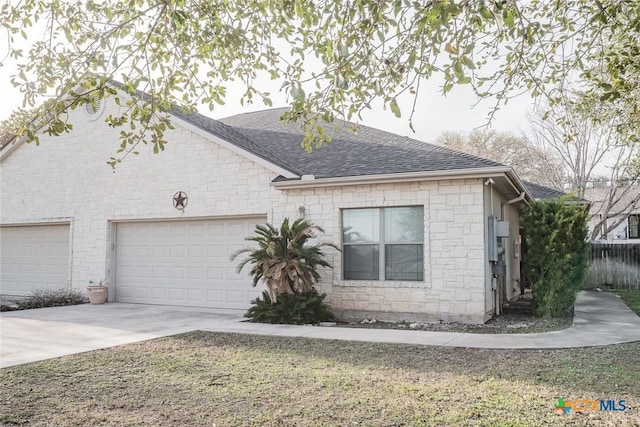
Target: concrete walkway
33	335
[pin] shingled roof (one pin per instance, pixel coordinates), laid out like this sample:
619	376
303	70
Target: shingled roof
368	152
540	192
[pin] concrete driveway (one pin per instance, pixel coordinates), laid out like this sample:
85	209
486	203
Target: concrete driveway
45	333
600	318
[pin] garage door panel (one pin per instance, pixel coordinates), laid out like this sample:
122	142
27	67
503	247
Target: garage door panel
196	295
214	230
142	272
185	262
33	257
195	273
176	251
158	293
195	251
215	273
215	251
177	295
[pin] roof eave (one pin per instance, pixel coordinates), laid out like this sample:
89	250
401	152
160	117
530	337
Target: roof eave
474	173
519	185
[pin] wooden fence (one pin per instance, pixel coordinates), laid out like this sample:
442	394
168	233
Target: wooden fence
614	265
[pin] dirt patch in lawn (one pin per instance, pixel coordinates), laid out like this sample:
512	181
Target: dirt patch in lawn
225	379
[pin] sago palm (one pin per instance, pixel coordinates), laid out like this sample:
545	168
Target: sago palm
282	259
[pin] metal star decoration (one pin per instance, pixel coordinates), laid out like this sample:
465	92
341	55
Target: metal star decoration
180	200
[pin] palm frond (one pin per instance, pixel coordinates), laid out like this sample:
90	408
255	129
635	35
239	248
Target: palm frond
282	260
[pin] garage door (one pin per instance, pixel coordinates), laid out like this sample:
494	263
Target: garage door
33	258
184	262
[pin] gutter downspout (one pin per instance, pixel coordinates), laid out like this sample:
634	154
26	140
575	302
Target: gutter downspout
502	214
512	201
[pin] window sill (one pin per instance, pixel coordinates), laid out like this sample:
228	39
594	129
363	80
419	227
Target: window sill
381	284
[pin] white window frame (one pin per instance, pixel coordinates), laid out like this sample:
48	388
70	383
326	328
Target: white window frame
381	243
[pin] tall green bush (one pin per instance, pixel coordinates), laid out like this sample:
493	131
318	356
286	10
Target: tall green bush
557	257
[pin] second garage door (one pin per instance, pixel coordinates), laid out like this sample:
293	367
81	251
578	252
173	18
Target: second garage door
33	258
184	262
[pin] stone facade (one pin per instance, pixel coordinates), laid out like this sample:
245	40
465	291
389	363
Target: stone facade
66	179
454	264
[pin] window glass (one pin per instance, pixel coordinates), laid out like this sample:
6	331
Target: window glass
361	262
404	262
404	224
361	225
383	243
634	226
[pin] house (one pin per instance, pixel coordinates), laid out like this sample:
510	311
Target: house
618	208
426	232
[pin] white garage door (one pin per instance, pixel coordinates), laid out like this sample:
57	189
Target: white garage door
184	262
33	258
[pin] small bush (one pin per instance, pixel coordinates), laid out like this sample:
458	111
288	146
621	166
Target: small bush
292	309
41	298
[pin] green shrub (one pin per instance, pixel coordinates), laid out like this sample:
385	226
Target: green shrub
293	309
557	257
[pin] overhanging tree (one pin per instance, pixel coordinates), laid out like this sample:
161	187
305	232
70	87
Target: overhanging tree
185	52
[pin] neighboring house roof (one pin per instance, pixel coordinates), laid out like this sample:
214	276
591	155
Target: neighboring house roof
625	203
541	192
368	152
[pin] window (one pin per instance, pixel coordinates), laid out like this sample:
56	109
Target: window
383	243
634	226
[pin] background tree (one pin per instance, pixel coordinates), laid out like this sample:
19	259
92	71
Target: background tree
184	52
581	133
535	163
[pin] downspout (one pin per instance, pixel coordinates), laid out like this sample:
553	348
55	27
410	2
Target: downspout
506	279
512	201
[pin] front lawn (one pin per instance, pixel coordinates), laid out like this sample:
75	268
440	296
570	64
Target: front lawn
226	380
631	297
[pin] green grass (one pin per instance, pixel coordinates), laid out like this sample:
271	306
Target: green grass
227	380
631	297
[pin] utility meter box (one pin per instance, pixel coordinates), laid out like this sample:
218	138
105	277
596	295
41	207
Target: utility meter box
502	228
499	269
497	230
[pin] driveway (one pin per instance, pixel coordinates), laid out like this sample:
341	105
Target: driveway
45	333
600	318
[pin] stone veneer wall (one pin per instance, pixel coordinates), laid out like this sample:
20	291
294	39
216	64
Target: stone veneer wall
454	286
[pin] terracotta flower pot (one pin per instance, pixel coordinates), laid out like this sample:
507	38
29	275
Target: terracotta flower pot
98	294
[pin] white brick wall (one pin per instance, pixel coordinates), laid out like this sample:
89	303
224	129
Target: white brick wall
67	177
